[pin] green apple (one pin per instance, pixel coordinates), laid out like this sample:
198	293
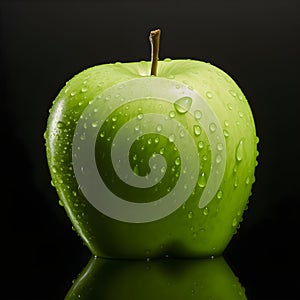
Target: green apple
150	166
157	279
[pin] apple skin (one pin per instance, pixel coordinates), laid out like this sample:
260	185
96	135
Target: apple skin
189	231
157	279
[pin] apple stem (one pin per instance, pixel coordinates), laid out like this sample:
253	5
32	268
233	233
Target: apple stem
154	40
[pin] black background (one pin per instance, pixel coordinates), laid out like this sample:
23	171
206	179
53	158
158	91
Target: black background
44	44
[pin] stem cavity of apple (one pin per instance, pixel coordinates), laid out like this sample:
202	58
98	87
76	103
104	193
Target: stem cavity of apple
154	40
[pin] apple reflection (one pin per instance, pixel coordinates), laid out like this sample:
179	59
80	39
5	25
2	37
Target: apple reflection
157	279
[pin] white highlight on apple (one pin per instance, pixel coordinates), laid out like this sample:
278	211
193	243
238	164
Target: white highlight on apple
84	160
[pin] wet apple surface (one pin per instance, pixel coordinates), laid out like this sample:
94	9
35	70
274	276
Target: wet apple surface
161	163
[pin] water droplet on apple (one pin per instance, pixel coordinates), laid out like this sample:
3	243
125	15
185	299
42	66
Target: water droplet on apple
247	180
140	116
172	114
205	211
212	127
226	123
235	169
241	114
114	118
54	170
181	133
159	128
171	138
156	140
197	114
236	181
60	124
197	130
201	145
218	158
162	150
220	146
95	124
232	93
136	170
209	95
167	59
234	222
190	215
84	89
226	133
229	105
202	180
183	104
163	170
239	151
219	194
177	161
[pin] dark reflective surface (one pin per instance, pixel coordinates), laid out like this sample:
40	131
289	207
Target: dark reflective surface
157	279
